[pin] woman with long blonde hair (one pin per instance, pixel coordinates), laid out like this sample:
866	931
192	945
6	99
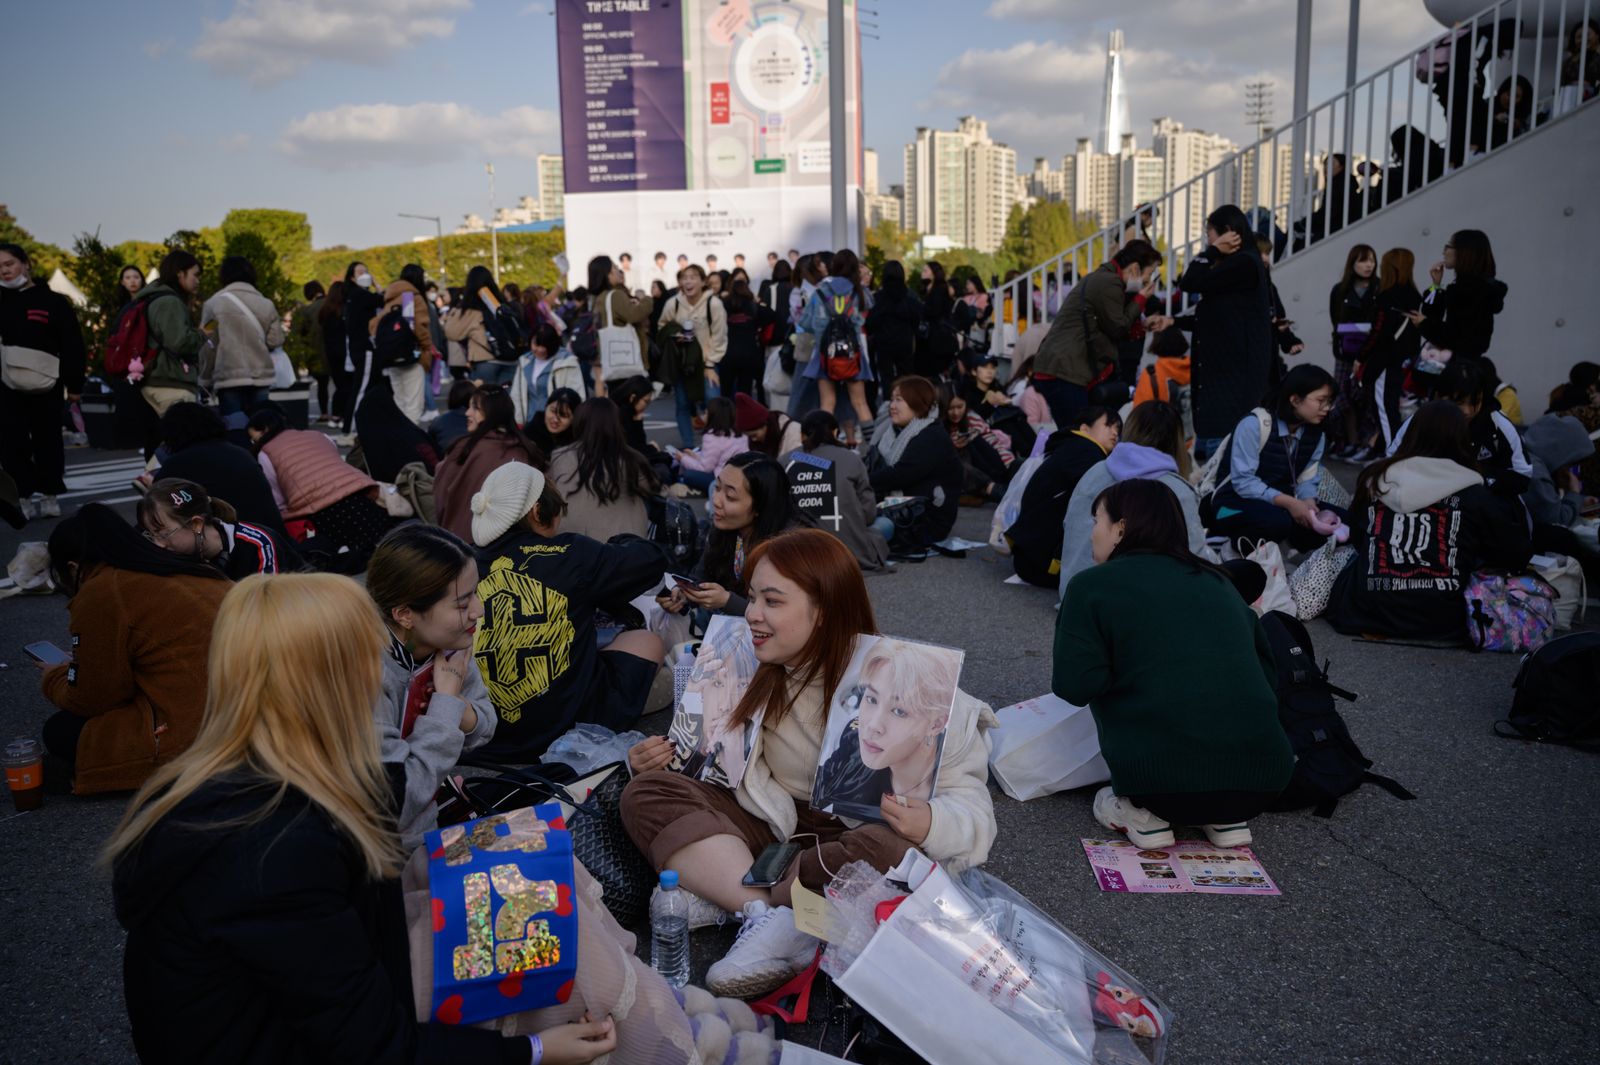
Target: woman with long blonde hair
257	873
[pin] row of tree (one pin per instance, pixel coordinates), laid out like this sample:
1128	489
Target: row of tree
1033	236
278	244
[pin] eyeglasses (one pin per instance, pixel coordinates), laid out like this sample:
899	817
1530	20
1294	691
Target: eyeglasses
160	536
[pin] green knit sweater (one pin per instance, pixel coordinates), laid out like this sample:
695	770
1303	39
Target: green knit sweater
1178	674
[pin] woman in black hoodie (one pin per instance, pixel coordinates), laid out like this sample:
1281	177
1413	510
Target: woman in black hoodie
1393	342
893	324
1459	318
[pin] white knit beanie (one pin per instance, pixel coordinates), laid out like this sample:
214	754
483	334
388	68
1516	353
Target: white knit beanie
505	499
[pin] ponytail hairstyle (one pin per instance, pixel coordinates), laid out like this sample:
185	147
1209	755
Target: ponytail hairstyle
819	428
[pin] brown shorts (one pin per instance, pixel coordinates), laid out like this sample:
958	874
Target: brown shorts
664	812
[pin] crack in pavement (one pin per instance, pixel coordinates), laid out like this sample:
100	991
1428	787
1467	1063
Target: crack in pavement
1460	922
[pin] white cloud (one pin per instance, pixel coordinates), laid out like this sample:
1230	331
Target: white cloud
354	135
535	8
266	41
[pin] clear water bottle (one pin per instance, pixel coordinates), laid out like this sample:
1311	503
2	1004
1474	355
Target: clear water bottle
669	930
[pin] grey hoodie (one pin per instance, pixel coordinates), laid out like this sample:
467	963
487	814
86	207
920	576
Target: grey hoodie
436	742
1554	443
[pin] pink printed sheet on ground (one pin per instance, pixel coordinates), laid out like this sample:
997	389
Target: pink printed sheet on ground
1186	866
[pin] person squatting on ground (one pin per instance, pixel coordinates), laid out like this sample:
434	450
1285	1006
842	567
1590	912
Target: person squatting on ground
1187	714
808	603
1035	537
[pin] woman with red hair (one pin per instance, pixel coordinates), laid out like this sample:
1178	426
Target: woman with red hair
808	603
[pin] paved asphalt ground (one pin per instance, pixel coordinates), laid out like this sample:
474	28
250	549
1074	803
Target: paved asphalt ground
1464	926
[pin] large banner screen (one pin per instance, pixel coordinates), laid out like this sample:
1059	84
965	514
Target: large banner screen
696	127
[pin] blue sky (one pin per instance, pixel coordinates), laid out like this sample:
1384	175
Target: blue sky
138	119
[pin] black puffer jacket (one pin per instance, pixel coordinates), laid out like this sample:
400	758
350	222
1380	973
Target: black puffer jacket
928	467
1232	352
266	942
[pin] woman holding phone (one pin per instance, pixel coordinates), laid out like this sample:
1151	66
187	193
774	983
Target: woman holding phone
808	602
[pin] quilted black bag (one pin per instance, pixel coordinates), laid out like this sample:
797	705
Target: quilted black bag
599	840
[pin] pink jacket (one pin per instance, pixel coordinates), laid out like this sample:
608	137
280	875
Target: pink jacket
311	473
713	453
1034	406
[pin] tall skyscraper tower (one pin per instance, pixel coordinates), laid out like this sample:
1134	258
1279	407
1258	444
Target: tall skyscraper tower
1114	120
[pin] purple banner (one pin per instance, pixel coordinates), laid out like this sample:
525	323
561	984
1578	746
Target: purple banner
622	104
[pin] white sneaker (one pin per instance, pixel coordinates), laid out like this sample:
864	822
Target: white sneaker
49	507
1228	835
703	913
770	950
1143	828
29	507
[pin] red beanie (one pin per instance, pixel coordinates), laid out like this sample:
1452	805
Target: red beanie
748	415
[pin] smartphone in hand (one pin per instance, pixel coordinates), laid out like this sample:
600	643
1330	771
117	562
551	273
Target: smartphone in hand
47	653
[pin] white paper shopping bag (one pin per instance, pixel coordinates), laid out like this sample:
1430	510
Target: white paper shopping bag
1045	745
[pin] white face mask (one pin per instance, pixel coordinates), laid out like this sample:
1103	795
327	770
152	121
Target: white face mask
364	280
16	282
1135	283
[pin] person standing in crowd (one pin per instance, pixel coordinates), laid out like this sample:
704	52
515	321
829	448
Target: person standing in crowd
492	352
1352	307
336	354
777	382
141	618
546	678
937	349
810	271
603	481
1187	713
248	328
839	296
1459	318
1232	357
272	841
1270	489
130	279
172	370
362	302
694	328
492	440
315	482
893	325
305	341
1423	521
810	604
408	383
1107	307
41	356
855	505
911	455
750	503
1035	537
1394	341
182	517
614	305
1150	447
743	366
198	449
434	706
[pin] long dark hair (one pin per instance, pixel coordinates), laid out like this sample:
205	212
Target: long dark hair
1348	280
599	274
607	466
173	264
332	308
188	423
124	297
499	416
892	281
1474	256
774	512
1153	522
1438	431
846	265
97	536
478	279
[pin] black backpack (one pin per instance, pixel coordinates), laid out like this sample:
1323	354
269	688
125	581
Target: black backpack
583	339
394	342
1558	694
506	333
674	528
1327	763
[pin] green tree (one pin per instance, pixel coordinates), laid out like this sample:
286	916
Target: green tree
271	281
1042	232
886	241
97	271
46	258
286	233
195	243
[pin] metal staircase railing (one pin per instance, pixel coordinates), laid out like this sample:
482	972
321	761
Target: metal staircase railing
1431	121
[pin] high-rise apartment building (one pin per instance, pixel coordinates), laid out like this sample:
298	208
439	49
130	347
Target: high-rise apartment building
552	187
960	185
1186	154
